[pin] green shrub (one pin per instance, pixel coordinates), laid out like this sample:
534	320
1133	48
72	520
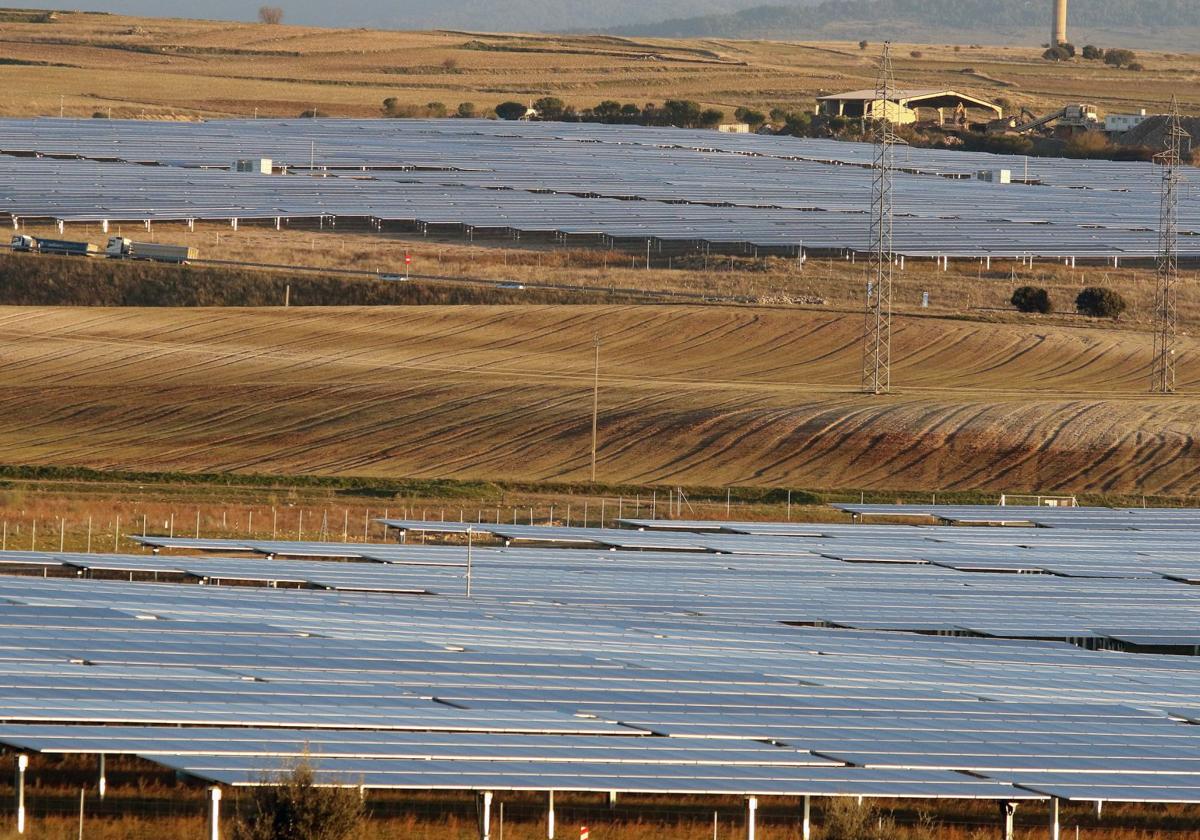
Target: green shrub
1032	299
1119	58
510	110
294	808
1096	302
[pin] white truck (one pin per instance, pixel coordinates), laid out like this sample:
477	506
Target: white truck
64	247
120	248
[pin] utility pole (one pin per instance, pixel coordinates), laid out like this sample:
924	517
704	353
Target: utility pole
1166	313
877	332
595	408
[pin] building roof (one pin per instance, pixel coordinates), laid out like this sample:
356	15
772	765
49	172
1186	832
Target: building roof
913	97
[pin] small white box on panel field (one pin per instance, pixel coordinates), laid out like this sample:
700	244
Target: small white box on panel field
260	165
995	176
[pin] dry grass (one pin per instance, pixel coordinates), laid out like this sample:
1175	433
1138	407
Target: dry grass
969	288
180	68
689	395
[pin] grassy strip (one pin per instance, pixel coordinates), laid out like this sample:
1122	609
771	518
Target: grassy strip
73	281
489	491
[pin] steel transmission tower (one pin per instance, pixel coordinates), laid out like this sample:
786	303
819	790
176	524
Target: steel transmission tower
1166	312
877	335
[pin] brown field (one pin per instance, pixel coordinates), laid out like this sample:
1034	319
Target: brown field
967	289
185	68
689	395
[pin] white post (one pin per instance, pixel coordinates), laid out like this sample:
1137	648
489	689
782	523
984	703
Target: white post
550	819
104	225
470	534
485	816
806	821
102	784
22	765
214	813
1055	829
1009	809
751	808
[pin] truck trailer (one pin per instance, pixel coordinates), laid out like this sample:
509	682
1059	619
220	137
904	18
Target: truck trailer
124	249
65	247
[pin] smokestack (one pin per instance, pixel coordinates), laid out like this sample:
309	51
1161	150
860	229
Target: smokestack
1058	31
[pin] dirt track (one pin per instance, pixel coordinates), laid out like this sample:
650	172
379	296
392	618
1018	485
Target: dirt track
688	395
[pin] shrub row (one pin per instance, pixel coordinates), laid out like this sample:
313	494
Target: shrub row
1094	301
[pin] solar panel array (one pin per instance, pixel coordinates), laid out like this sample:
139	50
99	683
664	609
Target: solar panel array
619	182
725	658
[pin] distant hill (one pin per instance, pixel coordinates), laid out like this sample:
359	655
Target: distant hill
929	20
489	15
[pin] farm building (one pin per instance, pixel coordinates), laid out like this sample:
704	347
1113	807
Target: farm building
906	106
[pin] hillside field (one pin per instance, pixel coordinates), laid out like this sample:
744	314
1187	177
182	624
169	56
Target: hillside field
82	64
689	395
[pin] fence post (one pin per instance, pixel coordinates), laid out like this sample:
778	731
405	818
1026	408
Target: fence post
214	813
22	765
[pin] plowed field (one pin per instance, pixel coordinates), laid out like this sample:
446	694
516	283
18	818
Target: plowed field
688	395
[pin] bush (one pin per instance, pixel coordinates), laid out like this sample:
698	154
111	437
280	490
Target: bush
1057	54
847	819
1096	302
1135	66
1092	53
917	54
863	44
294	808
1119	58
1032	299
510	110
466	110
1089	145
751	117
272	15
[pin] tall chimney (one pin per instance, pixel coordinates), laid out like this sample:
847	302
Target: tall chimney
1058	31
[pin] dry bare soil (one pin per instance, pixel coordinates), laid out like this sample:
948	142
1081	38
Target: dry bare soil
689	395
87	63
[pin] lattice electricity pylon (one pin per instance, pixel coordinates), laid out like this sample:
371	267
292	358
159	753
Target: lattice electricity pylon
877	334
1166	312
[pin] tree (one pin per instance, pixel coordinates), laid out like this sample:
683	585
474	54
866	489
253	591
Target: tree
1097	302
1119	58
710	118
292	807
270	15
1092	52
550	108
683	113
466	110
510	110
863	44
1032	299
751	117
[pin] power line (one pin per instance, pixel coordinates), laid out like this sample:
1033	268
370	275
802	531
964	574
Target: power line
877	333
1166	312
